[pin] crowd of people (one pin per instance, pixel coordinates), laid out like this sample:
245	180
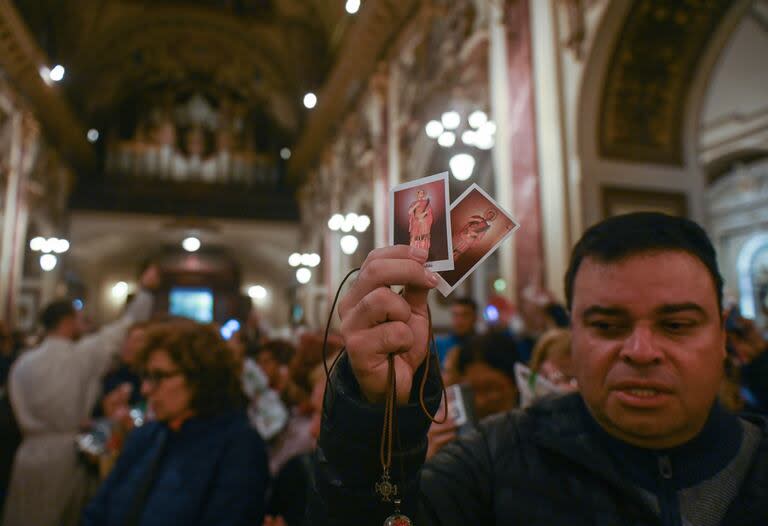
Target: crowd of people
161	421
157	420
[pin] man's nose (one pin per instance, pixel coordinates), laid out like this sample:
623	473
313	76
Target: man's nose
639	348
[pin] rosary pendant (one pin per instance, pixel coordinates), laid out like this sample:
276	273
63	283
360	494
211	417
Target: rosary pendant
397	519
385	488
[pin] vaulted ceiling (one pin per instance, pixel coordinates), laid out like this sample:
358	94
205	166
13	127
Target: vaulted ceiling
120	54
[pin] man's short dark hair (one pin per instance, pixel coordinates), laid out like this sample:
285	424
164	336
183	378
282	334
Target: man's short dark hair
496	349
466	301
620	237
56	311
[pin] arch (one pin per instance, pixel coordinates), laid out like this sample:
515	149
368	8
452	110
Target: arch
663	154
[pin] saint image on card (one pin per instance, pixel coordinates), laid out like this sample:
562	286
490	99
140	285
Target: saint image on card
479	225
419	218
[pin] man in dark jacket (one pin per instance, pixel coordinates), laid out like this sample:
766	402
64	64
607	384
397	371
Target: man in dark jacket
644	442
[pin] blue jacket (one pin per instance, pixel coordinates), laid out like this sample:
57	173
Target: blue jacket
213	471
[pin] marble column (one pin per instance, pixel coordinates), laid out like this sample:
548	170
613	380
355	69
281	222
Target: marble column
11	256
379	125
502	153
552	147
529	260
393	126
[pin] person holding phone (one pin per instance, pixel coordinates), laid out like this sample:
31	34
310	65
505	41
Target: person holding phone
643	441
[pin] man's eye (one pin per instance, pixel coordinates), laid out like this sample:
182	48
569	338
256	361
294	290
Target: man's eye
607	326
677	326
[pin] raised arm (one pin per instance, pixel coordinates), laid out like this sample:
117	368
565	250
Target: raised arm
96	351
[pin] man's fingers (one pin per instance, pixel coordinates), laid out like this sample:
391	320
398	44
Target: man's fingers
379	306
384	267
416	296
383	339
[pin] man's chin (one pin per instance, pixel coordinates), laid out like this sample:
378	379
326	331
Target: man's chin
651	429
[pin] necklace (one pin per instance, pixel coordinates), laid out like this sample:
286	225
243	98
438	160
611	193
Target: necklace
385	488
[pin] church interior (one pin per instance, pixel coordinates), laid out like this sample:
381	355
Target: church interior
130	126
248	149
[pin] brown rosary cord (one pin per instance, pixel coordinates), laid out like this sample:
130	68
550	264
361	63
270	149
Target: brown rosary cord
385	450
426	372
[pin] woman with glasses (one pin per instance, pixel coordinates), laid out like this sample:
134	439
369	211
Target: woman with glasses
199	462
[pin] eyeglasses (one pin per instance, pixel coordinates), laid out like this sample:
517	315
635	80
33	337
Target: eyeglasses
155	377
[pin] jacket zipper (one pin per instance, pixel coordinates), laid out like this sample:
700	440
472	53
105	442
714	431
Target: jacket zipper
668	503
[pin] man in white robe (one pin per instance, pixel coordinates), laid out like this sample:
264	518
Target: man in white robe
53	389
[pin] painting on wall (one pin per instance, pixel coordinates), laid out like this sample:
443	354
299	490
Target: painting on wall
27	310
622	200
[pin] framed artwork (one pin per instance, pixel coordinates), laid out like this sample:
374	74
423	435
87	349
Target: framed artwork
622	200
27	309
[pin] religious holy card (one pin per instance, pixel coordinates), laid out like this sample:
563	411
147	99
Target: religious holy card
479	225
419	218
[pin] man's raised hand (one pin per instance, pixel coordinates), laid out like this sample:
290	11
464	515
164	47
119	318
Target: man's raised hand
376	322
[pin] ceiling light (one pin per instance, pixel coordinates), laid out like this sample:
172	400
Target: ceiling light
48	245
362	223
310	100
484	141
48	262
285	154
468	137
336	222
119	289
433	129
92	135
37	243
294	259
45	74
303	275
352	6
257	292
450	120
313	260
60	246
57	73
477	118
191	244
446	139
348	244
487	128
462	165
306	259
349	222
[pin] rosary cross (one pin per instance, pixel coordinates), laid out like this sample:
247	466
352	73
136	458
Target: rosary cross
386	489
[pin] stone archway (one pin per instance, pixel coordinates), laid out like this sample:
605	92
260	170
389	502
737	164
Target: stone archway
640	99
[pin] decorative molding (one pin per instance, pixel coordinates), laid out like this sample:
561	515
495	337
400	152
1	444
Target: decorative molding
623	200
744	189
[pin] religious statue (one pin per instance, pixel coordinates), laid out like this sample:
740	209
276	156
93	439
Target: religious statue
420	221
473	231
